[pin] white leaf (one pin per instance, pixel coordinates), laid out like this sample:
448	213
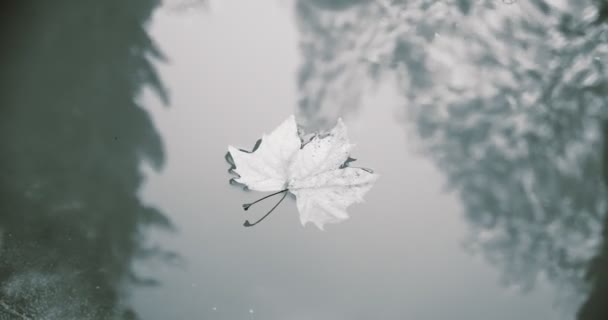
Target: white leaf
317	172
265	169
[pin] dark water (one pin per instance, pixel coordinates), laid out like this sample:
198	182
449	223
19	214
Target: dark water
485	121
73	140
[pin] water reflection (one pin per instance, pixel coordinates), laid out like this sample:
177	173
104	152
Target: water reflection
73	137
507	99
594	306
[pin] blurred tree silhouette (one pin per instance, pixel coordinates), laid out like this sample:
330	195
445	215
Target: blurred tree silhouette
72	138
594	307
508	99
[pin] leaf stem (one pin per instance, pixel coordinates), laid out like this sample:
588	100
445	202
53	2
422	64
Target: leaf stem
247	205
247	224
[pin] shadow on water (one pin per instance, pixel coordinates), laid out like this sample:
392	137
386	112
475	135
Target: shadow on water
72	139
595	306
508	100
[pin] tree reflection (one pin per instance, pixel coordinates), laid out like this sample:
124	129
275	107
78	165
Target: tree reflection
595	306
72	140
507	99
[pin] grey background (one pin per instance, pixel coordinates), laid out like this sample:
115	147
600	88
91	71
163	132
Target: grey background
231	76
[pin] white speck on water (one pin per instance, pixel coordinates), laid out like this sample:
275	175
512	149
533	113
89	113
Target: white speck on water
214	308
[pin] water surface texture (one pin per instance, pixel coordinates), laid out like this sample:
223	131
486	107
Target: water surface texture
484	119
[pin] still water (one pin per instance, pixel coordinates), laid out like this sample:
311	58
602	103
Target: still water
115	195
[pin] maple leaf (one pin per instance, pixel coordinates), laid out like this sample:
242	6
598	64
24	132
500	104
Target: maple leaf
317	172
